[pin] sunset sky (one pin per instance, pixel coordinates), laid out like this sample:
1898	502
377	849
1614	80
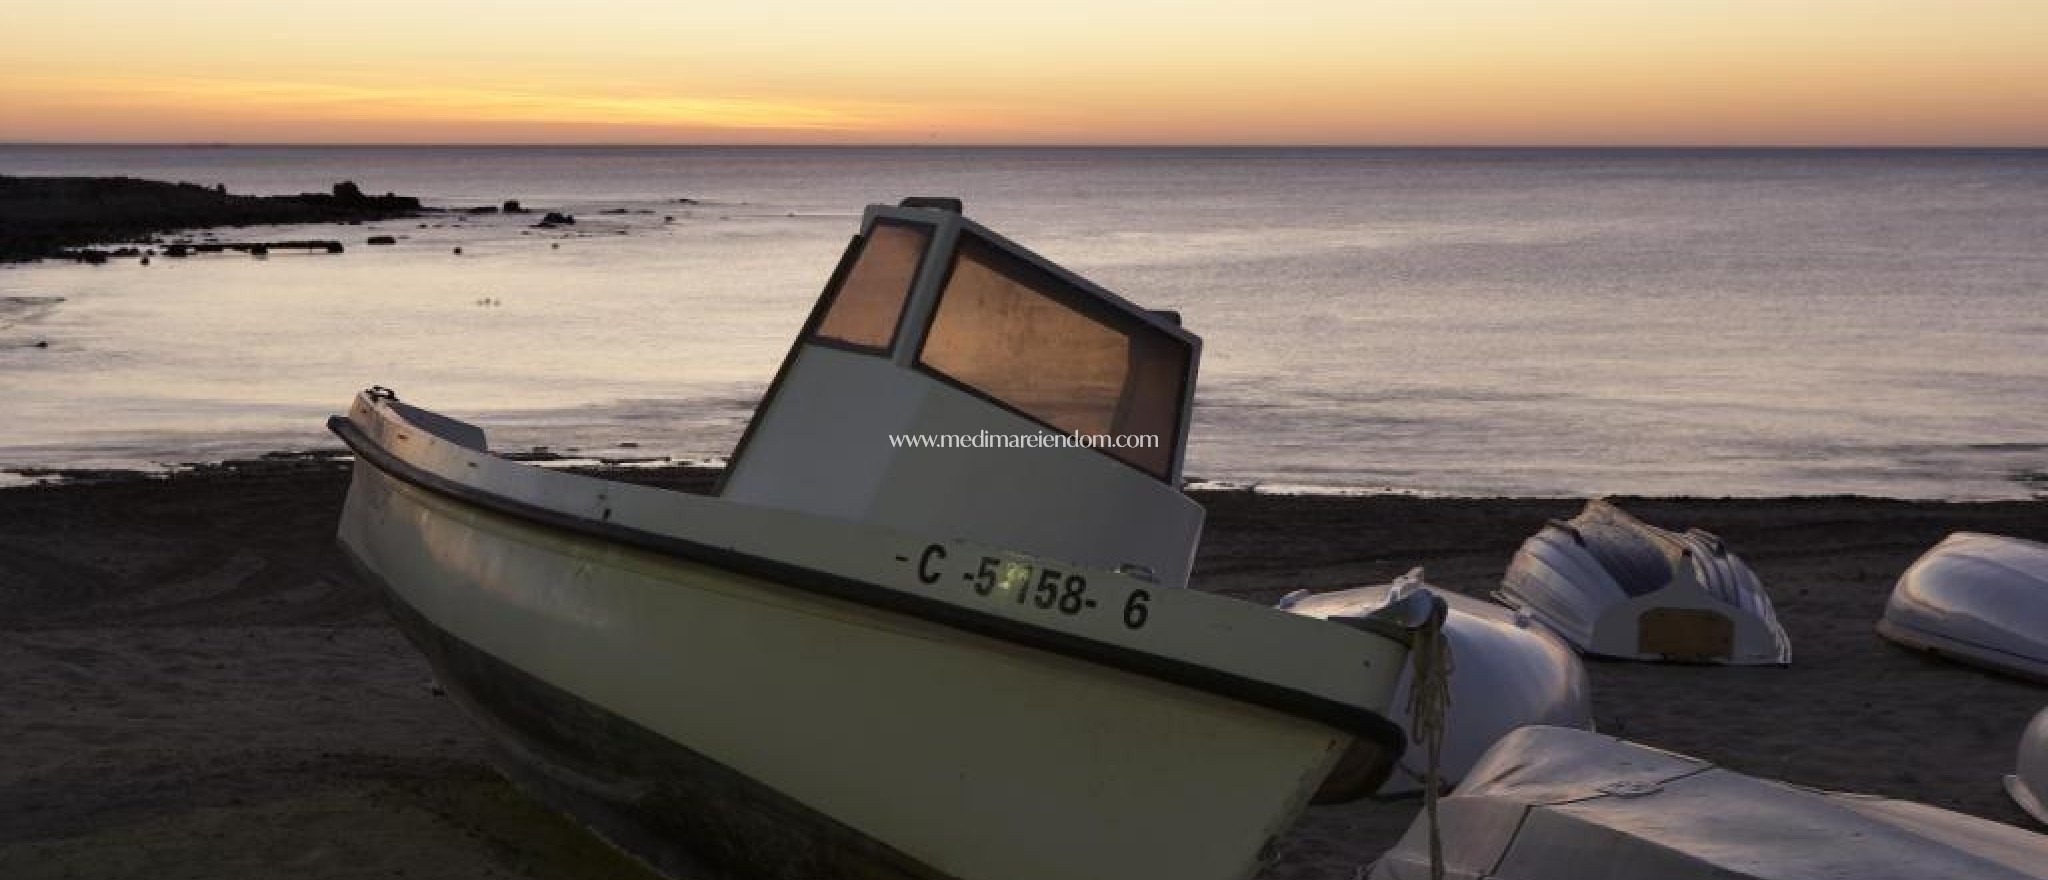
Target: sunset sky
1824	72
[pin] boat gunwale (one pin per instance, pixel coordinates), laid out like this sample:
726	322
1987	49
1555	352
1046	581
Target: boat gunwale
1352	719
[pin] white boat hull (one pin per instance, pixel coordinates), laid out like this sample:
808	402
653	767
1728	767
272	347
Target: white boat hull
1554	804
2028	783
1981	599
1671	596
1507	673
724	724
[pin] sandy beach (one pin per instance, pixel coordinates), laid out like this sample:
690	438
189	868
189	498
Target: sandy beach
972	301
194	687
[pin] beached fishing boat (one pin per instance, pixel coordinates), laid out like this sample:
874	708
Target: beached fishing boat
1615	586
1980	599
1551	803
2028	783
1507	672
866	657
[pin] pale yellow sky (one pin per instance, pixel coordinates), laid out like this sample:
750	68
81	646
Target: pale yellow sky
1876	72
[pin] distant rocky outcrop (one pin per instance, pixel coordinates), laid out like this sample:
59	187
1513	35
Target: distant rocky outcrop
43	217
347	196
253	248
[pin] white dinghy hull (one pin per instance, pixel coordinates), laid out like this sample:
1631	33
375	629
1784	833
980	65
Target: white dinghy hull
1614	586
2028	783
1981	599
1555	804
1507	672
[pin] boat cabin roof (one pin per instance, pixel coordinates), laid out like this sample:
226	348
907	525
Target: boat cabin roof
932	291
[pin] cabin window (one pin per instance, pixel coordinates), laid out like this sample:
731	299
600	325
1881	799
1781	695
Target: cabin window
868	303
1015	333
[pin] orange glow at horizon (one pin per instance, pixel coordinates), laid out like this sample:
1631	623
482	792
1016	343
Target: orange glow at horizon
1821	72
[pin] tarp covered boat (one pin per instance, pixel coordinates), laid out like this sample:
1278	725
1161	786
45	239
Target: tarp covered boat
1981	599
1507	672
1615	586
2028	783
1551	803
877	659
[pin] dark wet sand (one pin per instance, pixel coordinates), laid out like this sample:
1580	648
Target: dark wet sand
190	686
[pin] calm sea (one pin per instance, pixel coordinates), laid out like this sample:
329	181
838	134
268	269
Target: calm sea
1466	322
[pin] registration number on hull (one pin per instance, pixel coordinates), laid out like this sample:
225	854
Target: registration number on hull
1029	585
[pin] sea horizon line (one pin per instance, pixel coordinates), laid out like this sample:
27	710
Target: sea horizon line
1585	147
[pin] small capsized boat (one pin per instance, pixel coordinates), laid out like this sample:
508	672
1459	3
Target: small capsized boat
2028	783
1981	599
1550	803
867	656
1506	672
1615	586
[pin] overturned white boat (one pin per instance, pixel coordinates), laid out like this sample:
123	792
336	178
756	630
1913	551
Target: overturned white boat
879	659
2028	783
1981	599
1506	672
1615	586
1550	803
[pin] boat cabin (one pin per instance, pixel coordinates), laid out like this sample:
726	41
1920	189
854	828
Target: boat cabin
953	383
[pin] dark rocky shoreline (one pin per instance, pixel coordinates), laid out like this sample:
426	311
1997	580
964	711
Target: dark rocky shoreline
62	217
